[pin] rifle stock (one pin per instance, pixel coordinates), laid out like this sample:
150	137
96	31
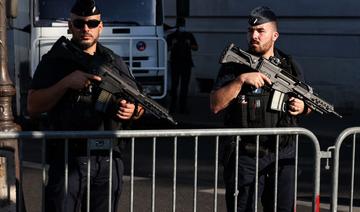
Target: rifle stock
282	81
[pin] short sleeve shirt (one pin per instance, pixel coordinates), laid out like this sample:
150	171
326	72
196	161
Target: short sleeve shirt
229	71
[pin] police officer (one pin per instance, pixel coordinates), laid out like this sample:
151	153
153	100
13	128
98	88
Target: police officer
64	90
181	43
243	94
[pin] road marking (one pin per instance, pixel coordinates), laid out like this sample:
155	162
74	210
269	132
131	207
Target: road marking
127	178
211	191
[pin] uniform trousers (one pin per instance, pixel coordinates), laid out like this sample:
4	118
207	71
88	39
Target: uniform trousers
56	199
180	73
266	183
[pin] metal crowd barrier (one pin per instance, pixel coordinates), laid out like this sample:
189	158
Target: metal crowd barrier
335	174
47	136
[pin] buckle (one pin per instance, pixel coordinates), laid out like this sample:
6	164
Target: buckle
100	144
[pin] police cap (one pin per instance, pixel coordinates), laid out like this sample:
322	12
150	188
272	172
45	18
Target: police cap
261	15
85	8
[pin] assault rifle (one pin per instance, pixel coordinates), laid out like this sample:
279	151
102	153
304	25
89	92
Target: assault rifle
282	81
113	82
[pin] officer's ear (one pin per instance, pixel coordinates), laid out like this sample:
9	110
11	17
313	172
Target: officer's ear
274	29
101	26
70	26
275	36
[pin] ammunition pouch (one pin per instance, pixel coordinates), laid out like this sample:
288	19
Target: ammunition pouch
99	100
77	111
253	111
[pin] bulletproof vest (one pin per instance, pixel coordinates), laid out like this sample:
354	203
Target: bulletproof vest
251	109
76	110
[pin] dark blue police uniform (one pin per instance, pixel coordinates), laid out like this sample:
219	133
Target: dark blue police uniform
251	109
181	63
71	113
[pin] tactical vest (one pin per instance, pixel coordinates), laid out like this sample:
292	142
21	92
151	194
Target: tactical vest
251	109
76	110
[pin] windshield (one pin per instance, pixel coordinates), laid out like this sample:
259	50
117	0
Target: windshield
126	12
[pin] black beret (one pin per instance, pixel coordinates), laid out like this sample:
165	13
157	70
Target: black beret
85	8
261	15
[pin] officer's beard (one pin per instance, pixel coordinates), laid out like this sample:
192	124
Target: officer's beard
260	49
83	45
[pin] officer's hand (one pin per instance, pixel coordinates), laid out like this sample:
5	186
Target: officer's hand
78	80
126	110
296	106
255	79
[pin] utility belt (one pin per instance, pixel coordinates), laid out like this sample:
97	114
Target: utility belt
267	144
80	147
247	146
95	144
100	144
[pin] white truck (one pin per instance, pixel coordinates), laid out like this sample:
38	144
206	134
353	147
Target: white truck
132	28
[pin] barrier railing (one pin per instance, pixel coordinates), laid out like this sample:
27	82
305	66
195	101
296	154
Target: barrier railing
335	172
47	136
